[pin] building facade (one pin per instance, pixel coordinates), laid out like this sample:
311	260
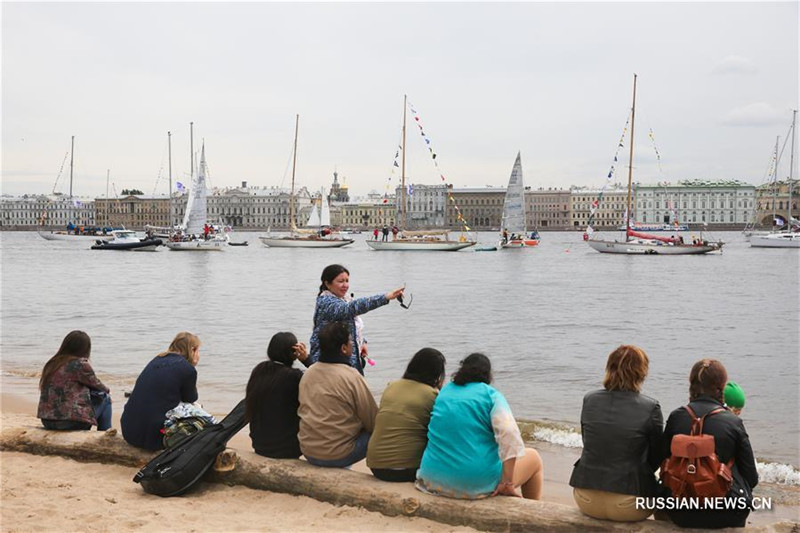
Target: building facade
47	211
425	206
548	209
481	207
695	202
132	212
774	199
610	211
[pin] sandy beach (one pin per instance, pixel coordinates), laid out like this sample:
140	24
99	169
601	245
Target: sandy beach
44	493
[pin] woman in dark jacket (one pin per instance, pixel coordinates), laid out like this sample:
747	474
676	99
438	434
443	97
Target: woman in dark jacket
169	379
71	395
272	399
621	431
706	385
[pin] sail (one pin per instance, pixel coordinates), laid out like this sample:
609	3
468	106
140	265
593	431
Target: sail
632	233
196	210
325	216
514	205
313	218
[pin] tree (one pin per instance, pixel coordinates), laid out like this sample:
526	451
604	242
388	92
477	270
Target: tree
131	192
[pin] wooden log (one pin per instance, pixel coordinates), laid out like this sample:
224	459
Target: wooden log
333	485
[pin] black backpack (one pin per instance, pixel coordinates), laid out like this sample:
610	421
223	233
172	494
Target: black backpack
174	471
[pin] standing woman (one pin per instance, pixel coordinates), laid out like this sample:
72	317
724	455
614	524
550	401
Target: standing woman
71	396
621	431
475	449
169	379
707	381
271	399
334	304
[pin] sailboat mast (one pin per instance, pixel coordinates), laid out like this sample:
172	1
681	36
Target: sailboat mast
775	181
71	159
630	160
402	221
294	166
169	159
191	149
791	166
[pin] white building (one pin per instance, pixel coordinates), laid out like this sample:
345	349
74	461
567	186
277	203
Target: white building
425	206
695	202
50	211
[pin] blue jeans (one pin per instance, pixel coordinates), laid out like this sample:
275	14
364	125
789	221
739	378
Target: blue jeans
358	453
101	402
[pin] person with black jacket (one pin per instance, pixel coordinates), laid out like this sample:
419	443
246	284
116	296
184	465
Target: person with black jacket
621	430
271	398
706	385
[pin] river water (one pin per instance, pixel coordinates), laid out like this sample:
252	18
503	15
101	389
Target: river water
547	317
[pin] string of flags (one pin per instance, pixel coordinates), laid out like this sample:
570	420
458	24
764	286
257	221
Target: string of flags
665	184
609	176
459	216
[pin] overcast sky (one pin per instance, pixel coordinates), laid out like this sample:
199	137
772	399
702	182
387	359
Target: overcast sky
717	83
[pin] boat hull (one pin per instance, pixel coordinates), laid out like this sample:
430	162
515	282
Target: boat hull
64	236
294	242
642	248
198	246
420	245
520	243
776	240
147	245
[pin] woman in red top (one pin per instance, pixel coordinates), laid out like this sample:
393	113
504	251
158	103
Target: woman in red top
71	395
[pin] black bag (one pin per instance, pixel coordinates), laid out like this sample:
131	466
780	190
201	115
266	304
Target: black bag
174	471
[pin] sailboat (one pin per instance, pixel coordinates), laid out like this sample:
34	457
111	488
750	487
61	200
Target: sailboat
73	232
435	240
643	243
299	238
514	226
791	237
194	220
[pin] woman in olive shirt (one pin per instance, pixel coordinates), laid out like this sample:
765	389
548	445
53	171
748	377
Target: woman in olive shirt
401	427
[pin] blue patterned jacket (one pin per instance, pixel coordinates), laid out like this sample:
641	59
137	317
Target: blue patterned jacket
331	308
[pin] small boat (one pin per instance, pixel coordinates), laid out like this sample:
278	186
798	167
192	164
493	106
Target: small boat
127	240
323	237
637	243
776	240
485	249
789	236
243	243
428	241
515	232
194	220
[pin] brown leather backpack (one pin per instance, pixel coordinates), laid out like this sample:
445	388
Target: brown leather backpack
693	468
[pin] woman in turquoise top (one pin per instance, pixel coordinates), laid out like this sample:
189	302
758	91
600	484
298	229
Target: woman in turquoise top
475	449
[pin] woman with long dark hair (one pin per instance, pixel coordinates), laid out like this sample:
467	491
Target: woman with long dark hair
621	430
334	304
475	449
169	379
271	400
707	381
71	397
401	427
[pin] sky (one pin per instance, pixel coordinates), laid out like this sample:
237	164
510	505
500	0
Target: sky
717	83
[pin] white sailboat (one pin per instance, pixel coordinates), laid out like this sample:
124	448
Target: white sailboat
195	218
299	238
73	232
790	238
435	240
514	226
637	243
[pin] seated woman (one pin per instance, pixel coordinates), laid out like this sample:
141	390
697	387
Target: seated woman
271	399
475	449
401	427
169	379
621	431
71	396
337	410
706	385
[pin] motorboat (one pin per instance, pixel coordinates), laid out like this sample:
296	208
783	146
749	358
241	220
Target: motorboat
127	240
